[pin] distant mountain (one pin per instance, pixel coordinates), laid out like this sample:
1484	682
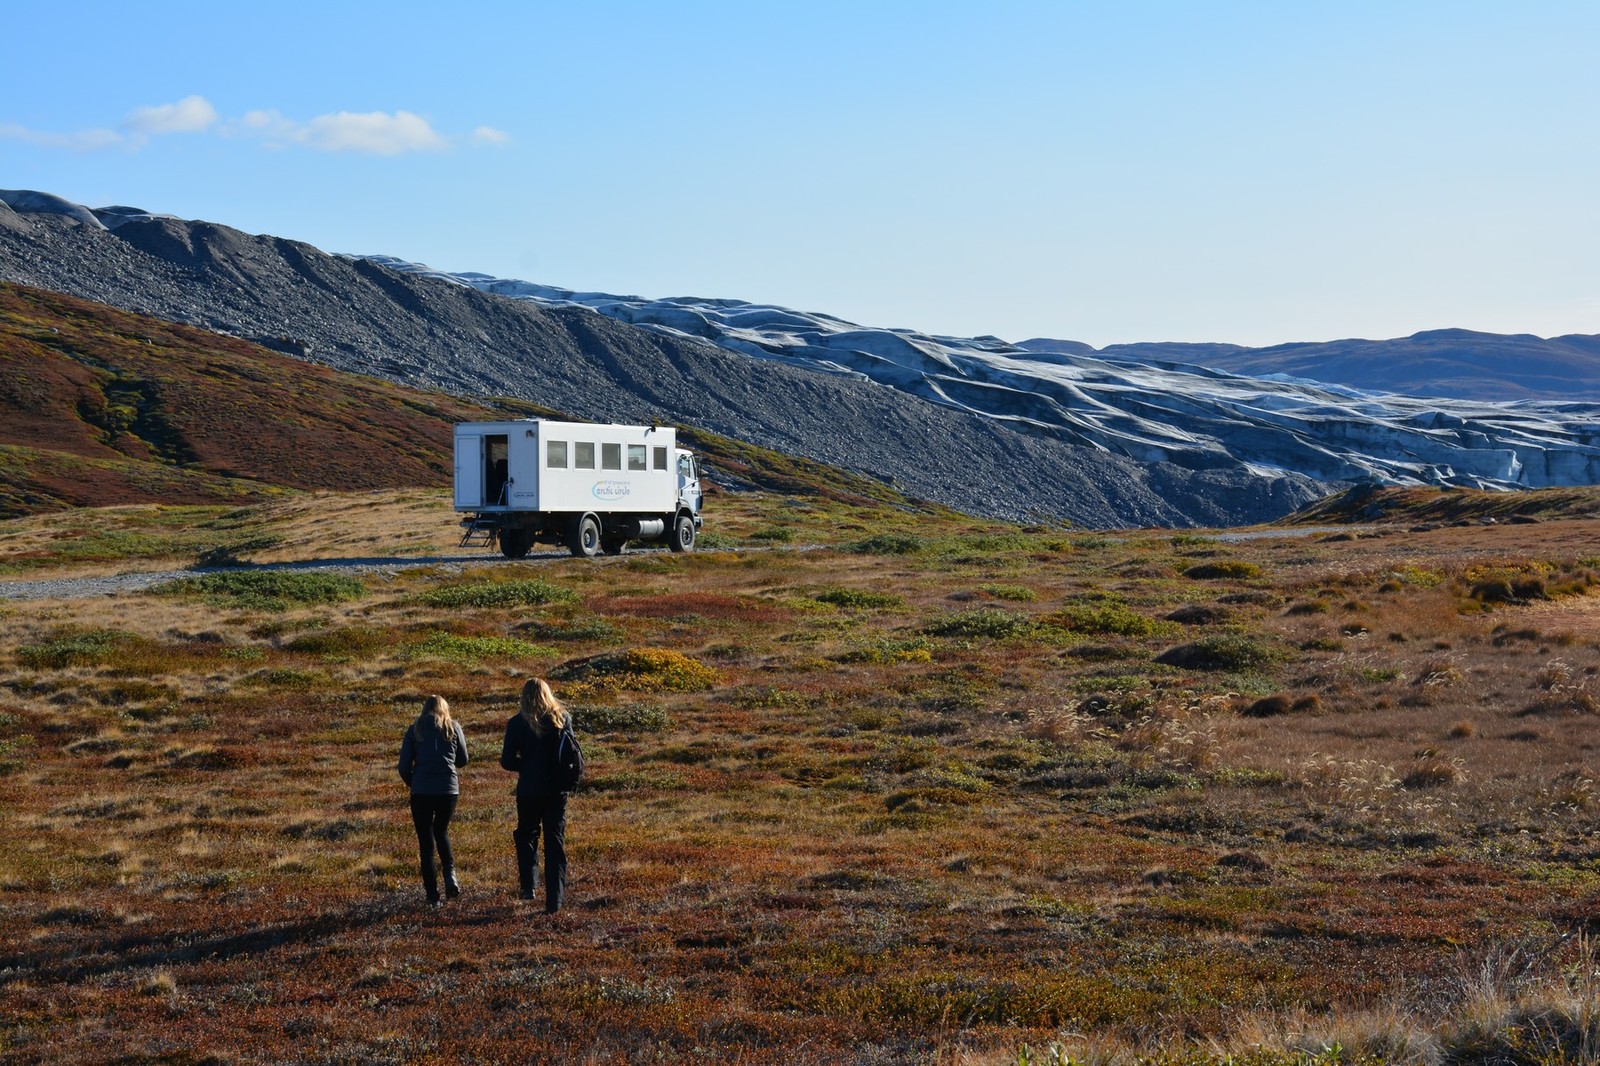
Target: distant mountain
100	407
1442	362
1130	402
360	315
1102	438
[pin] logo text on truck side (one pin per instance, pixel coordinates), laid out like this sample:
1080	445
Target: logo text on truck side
611	490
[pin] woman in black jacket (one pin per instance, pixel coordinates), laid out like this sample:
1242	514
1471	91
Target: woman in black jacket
434	748
538	739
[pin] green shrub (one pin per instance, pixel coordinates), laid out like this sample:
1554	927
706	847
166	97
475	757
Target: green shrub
573	629
1222	651
983	623
633	718
1012	593
1110	618
885	650
267	590
889	544
472	649
708	540
288	677
534	593
1227	568
72	647
774	534
840	597
347	640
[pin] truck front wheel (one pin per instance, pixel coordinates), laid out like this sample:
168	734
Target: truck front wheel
584	539
514	543
682	539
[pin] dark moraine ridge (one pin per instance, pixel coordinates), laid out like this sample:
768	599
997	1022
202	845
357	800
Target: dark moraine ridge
356	315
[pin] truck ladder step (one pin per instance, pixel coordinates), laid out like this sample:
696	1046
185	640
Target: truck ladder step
480	533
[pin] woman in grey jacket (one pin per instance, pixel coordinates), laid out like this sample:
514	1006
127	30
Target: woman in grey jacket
434	748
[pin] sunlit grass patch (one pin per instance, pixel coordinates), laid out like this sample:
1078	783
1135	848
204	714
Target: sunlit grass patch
640	669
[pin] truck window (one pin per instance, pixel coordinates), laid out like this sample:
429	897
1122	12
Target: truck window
611	457
686	466
555	456
636	457
583	455
659	457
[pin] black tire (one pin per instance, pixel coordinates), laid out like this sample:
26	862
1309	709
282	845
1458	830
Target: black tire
583	540
514	543
682	539
613	545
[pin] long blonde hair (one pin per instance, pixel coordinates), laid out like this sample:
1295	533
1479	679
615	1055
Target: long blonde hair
539	705
435	716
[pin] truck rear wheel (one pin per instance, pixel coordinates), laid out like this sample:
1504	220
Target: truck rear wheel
583	540
514	543
682	539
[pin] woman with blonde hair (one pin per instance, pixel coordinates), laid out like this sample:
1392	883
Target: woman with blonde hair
542	751
434	749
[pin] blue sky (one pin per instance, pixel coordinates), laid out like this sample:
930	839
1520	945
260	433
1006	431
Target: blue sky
1104	172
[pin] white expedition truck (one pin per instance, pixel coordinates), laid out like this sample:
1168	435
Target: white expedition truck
590	487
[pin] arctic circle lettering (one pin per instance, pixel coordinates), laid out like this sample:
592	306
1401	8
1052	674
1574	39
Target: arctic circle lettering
611	490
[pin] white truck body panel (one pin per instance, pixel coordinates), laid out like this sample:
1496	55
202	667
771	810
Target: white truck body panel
565	467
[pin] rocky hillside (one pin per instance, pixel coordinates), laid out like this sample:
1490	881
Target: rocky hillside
358	315
102	407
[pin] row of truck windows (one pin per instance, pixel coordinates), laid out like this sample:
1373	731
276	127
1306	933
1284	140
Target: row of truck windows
556	453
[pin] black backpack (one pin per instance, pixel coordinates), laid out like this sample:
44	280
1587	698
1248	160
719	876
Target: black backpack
569	760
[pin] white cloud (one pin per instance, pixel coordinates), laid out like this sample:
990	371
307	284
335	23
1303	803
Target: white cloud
81	141
192	114
372	132
375	132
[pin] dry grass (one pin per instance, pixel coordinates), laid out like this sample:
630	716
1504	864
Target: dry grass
843	806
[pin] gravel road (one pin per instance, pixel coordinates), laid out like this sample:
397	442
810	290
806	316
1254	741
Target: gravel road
83	587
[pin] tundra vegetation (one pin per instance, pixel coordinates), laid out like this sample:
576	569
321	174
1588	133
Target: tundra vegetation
870	781
891	786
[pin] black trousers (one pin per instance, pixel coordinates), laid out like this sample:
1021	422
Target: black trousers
431	815
546	814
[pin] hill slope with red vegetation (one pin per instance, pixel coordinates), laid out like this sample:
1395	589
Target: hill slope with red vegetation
153	411
101	407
